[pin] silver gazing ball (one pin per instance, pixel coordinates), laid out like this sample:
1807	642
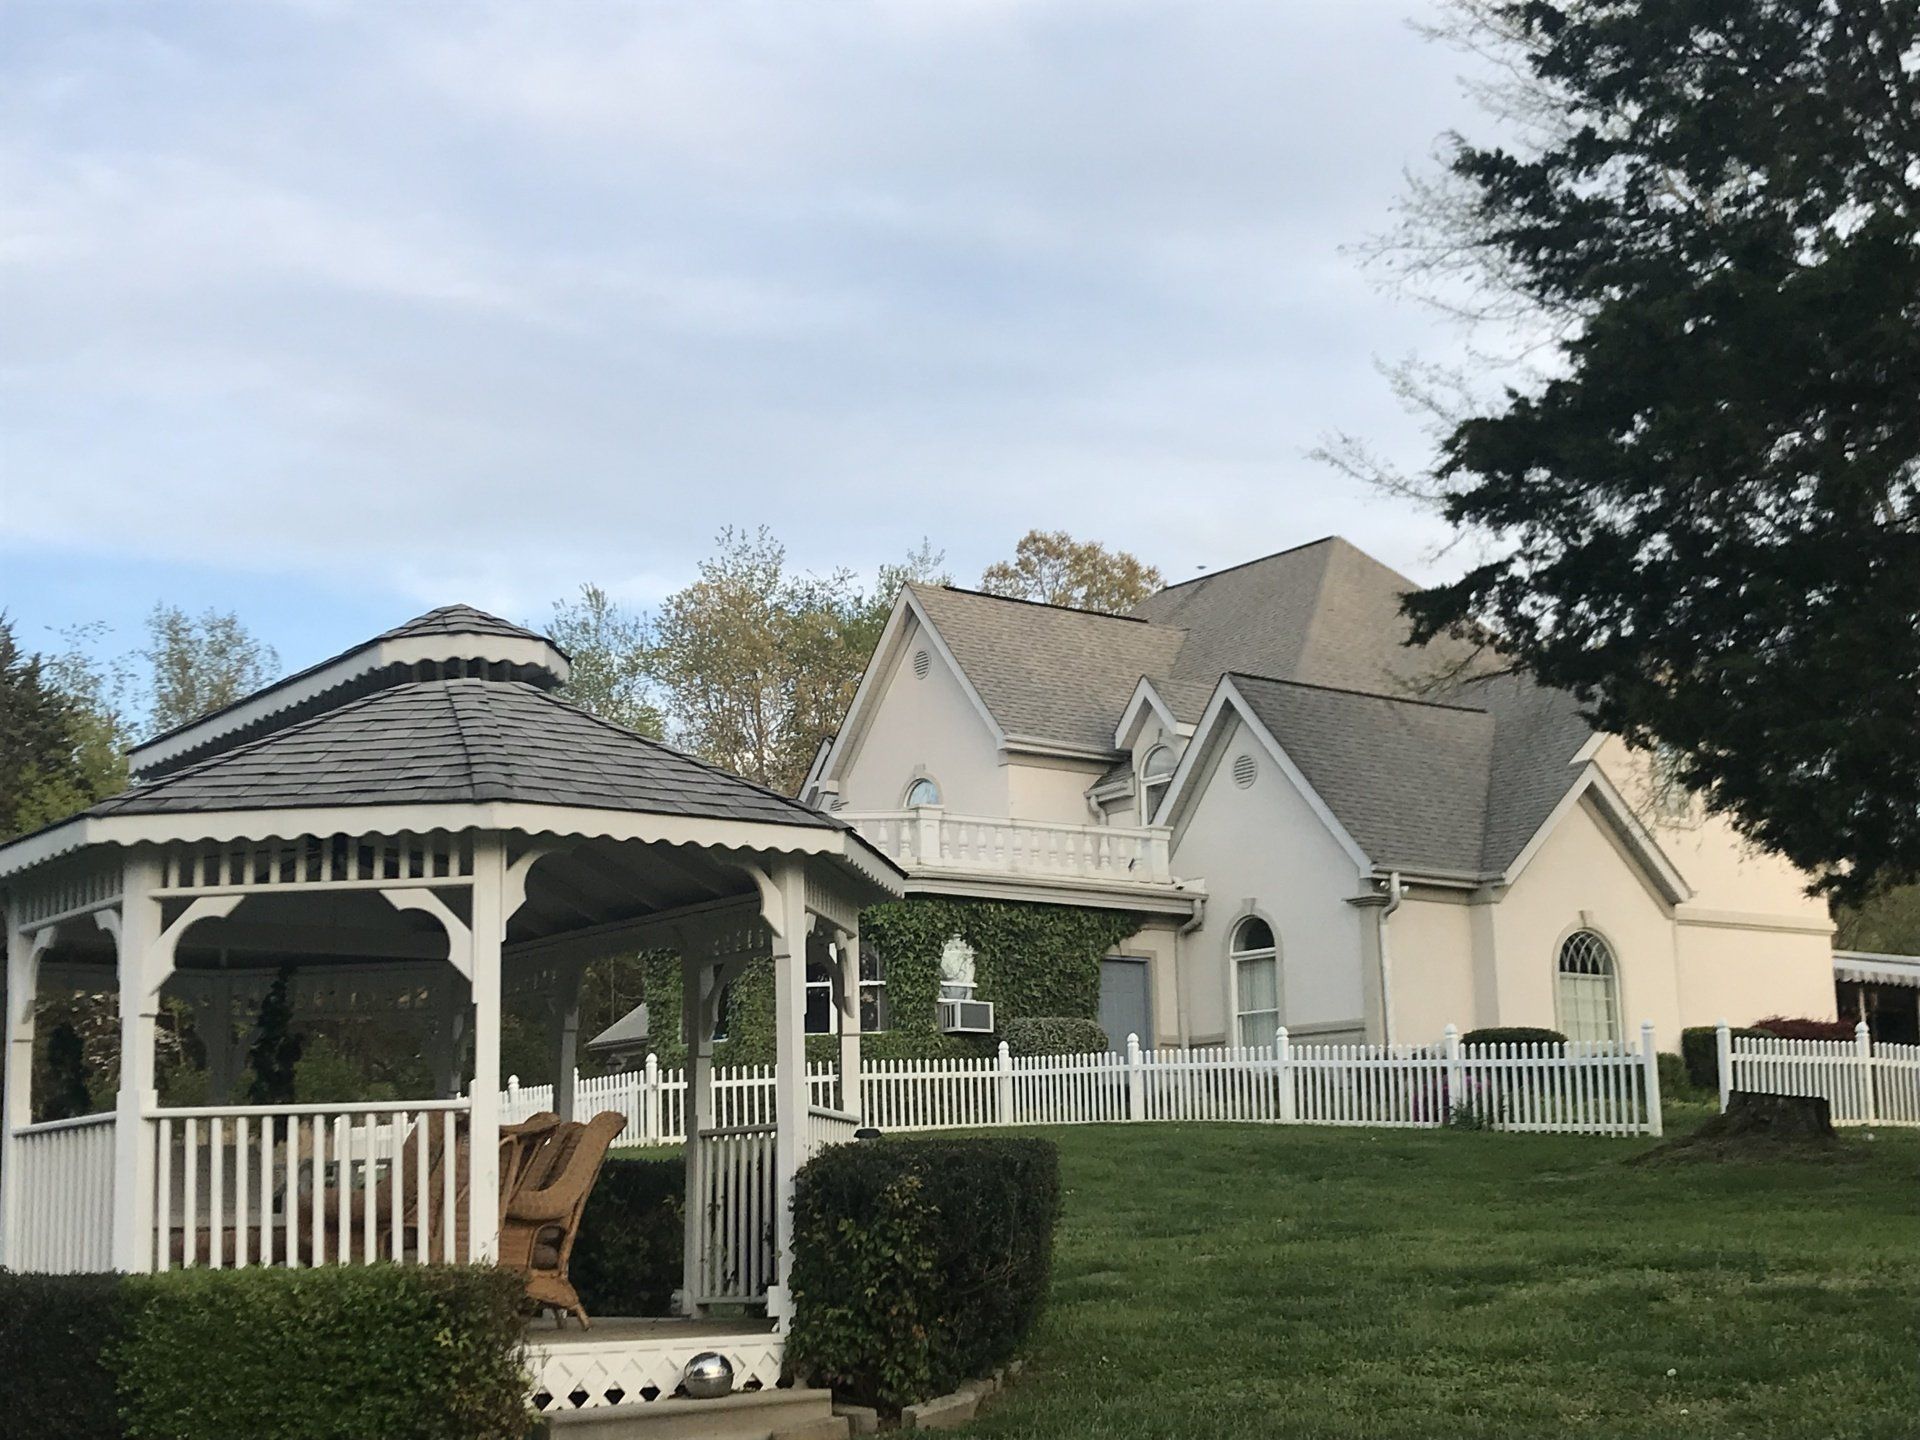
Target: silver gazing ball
708	1376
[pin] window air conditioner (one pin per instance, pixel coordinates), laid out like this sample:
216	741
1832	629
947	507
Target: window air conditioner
966	1017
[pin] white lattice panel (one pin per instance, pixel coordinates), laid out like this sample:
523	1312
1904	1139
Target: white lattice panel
588	1374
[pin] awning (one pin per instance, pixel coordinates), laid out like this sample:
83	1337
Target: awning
1862	967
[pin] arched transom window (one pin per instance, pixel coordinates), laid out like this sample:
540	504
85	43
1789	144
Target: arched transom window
922	792
1256	980
1156	774
1587	988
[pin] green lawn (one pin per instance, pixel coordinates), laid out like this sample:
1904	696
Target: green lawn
1238	1280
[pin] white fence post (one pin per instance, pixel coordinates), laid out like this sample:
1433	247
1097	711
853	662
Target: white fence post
1456	1072
1863	1048
1136	1081
650	1098
1003	1087
1723	1061
1656	1121
1283	1073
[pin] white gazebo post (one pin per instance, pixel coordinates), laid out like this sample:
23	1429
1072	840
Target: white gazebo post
136	929
566	1040
699	993
786	915
490	911
23	981
846	945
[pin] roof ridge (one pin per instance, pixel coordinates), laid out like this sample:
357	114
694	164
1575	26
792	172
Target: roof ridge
1047	605
1259	560
709	766
1363	694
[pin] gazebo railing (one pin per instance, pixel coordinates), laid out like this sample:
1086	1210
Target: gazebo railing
60	1211
298	1185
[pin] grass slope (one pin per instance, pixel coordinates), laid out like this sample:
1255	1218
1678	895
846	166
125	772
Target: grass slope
1225	1281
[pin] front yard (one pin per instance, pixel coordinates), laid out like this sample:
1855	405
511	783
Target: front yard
1249	1281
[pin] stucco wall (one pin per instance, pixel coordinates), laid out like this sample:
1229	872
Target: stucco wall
924	724
1264	845
1582	878
1040	788
1430	952
1747	974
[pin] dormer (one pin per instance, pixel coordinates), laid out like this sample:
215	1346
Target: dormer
450	643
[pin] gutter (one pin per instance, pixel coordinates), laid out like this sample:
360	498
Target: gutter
1179	990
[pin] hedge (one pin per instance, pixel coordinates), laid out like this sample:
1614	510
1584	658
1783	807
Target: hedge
336	1353
1054	1035
1788	1027
919	1263
1513	1035
627	1259
1698	1049
55	1331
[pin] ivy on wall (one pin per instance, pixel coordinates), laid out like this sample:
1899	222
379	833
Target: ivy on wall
1028	960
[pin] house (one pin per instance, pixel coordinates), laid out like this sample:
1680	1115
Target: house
1316	824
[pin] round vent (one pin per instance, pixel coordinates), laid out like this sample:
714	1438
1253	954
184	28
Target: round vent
922	662
1244	771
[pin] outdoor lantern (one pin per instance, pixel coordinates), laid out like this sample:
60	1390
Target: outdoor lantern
708	1376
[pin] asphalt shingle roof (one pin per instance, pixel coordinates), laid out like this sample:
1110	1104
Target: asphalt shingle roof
458	620
1407	779
1459	786
1046	672
461	741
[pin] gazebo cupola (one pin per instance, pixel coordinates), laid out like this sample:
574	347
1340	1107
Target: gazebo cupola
419	831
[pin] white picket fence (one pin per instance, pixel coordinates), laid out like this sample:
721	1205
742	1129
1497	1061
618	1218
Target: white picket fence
1590	1089
1864	1083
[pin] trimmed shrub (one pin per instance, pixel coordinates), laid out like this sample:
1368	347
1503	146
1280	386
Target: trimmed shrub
339	1353
919	1263
1697	1048
1055	1035
55	1331
627	1258
1513	1035
1788	1028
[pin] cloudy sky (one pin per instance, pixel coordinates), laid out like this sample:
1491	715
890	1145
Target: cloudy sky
331	312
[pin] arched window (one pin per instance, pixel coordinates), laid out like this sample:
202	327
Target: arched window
1587	988
922	792
1156	774
1256	980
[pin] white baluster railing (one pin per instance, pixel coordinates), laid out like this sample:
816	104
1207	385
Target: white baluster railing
733	1182
930	839
60	1213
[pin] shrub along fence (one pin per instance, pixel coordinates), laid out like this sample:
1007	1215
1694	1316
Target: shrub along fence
1567	1087
1864	1082
336	1353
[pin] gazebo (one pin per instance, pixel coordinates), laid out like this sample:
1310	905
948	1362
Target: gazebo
417	831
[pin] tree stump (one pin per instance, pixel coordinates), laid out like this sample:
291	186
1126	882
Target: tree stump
1778	1117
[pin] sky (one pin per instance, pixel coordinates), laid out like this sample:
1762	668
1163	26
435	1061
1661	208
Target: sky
327	313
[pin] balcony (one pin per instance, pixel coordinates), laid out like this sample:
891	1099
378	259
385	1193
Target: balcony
946	850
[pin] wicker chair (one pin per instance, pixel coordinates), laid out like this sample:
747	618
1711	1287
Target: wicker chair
542	1217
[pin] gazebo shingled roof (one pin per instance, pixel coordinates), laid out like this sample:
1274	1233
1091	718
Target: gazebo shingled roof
461	741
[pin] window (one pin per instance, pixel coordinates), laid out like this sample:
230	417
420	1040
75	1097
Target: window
823	1016
922	792
873	991
1156	774
1587	988
1256	980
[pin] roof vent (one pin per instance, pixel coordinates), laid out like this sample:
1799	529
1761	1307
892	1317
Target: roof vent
1245	771
922	662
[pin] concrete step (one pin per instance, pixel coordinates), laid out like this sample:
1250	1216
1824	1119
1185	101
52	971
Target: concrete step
796	1414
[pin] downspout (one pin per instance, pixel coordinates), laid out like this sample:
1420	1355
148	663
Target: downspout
1396	892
